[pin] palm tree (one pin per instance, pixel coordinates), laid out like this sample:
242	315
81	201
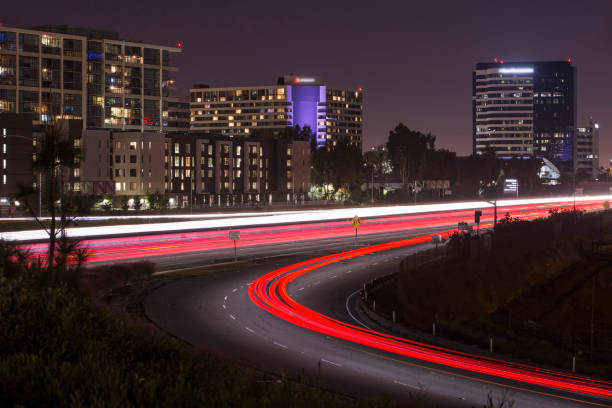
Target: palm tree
55	152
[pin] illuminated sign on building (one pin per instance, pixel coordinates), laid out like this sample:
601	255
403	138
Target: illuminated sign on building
516	70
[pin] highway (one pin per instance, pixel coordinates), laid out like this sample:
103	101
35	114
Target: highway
212	242
216	312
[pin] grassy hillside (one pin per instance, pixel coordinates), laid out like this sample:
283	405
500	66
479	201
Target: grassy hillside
534	291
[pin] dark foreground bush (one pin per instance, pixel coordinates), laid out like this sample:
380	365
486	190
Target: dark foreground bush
57	349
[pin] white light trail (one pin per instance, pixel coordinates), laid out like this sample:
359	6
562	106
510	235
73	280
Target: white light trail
286	217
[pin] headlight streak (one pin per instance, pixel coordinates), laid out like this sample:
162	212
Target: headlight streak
269	292
289	217
120	248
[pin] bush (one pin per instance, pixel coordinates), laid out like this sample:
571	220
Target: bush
57	349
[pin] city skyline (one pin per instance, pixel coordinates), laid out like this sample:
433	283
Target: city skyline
413	61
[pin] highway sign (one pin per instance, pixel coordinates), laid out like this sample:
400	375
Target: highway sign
234	235
356	221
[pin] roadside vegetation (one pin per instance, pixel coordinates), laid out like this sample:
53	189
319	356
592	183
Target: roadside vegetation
541	289
61	347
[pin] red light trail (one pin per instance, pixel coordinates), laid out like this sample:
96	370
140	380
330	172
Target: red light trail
145	246
269	292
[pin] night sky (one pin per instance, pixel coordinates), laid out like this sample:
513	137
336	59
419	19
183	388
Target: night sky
413	59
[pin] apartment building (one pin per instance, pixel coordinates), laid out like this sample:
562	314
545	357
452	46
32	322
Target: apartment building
218	170
138	163
331	113
79	73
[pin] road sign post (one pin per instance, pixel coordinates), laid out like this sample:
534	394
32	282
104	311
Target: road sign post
356	221
235	236
477	215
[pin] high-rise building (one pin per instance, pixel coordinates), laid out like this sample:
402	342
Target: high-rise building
79	73
525	109
331	113
586	149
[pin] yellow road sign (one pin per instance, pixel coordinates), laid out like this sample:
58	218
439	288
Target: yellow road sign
356	221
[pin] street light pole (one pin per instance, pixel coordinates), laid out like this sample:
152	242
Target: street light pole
372	186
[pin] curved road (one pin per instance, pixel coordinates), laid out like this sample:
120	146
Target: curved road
215	312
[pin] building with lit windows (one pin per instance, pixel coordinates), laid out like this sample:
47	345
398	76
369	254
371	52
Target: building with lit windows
79	73
525	109
205	169
586	149
138	163
331	113
18	146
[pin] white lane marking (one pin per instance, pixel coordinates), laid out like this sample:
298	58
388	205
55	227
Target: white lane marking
317	282
331	362
224	306
249	329
225	298
301	289
406	385
234	290
349	271
332	277
232	316
348	299
280	345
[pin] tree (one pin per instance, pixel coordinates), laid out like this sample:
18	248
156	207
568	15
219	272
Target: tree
525	170
406	150
321	168
346	166
158	201
55	154
438	164
338	163
374	161
479	175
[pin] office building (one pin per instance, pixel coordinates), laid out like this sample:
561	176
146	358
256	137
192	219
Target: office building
586	145
79	73
331	113
525	109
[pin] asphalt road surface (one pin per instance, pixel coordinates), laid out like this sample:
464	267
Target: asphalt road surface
214	312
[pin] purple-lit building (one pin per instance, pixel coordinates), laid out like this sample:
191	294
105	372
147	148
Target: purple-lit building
331	113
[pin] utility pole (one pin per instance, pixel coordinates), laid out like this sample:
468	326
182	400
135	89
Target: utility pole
372	186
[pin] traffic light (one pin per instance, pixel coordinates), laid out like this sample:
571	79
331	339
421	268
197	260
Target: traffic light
477	215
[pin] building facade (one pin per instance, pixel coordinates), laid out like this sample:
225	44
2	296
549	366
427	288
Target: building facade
138	163
218	170
18	147
330	113
586	149
525	109
78	73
